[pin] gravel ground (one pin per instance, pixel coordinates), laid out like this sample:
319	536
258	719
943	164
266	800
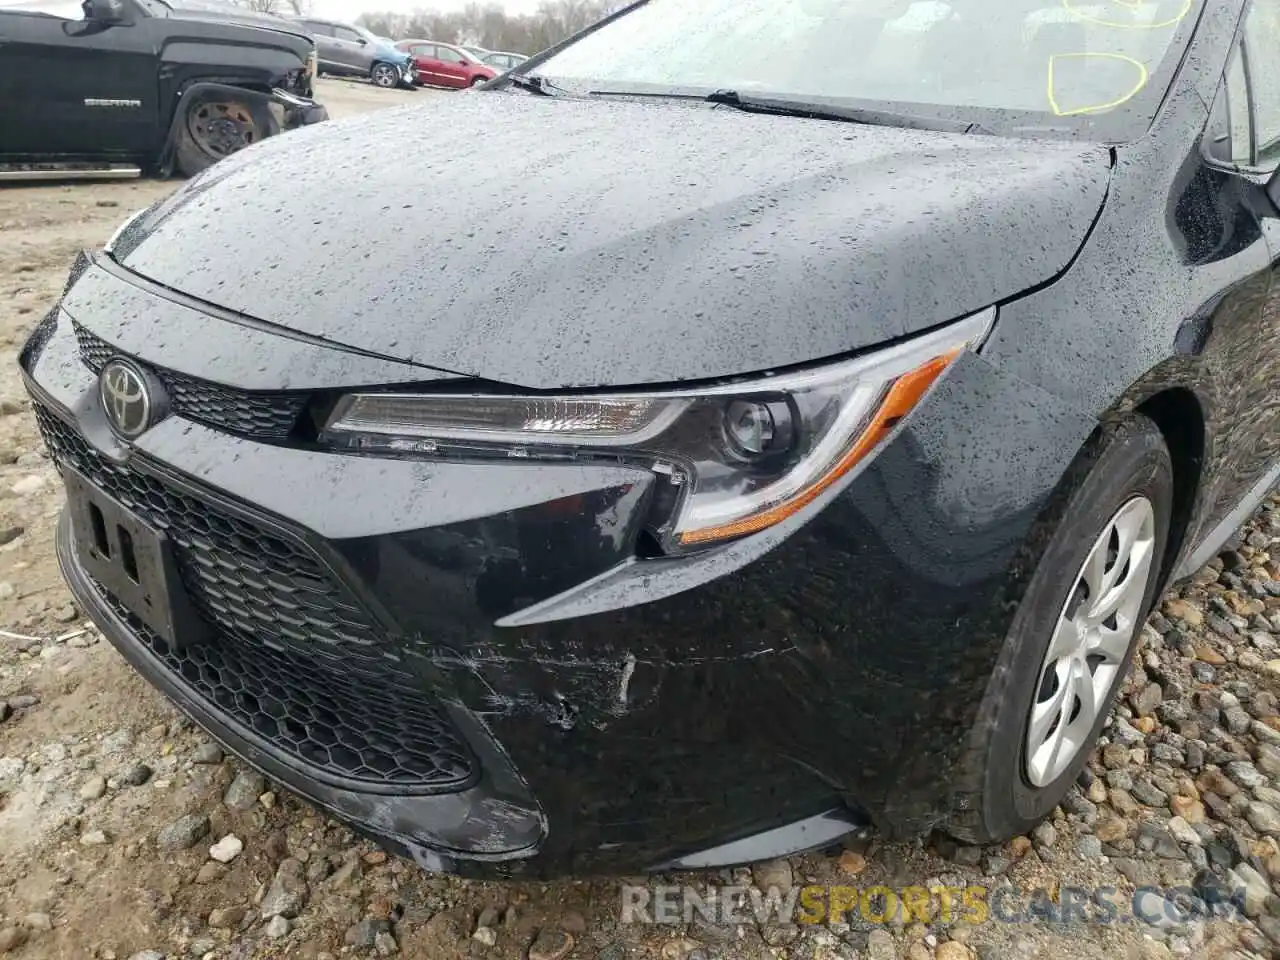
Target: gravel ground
125	833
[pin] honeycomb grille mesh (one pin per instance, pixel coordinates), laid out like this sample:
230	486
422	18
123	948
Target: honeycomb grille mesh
260	416
291	655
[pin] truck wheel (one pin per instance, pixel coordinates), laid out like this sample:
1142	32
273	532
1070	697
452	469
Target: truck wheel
384	75
214	129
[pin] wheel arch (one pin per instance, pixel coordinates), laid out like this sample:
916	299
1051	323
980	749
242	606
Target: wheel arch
1174	396
189	93
1178	396
1177	411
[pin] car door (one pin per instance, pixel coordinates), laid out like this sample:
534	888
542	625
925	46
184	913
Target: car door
430	69
452	66
424	56
1236	334
1261	66
353	50
326	47
77	88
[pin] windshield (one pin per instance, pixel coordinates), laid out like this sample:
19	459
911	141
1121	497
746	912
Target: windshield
1044	63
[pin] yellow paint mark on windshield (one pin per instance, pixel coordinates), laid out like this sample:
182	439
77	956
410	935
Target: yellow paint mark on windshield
1075	7
1059	111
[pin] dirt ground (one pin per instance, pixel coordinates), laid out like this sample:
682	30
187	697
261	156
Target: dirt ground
110	800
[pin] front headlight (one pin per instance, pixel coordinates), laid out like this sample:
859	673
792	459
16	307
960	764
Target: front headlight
734	458
110	246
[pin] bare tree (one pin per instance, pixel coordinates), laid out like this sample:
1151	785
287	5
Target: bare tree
488	25
277	8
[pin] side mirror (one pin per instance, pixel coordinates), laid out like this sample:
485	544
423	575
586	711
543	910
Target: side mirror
363	42
104	11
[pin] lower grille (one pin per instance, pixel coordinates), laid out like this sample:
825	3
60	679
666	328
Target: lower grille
331	720
291	655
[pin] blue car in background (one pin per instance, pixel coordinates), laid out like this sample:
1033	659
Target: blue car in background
348	50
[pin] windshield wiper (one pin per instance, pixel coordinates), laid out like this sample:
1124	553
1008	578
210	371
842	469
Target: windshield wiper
816	111
812	111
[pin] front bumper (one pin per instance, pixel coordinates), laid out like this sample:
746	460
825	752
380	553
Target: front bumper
407	73
598	713
298	111
492	818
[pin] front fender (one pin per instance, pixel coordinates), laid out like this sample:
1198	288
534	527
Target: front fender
186	61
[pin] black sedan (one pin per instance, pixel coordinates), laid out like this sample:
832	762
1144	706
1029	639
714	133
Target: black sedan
742	454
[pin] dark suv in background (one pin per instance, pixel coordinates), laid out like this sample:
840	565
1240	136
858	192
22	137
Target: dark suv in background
144	85
349	50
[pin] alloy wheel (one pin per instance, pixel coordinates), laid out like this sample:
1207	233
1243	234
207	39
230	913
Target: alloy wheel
384	75
1090	643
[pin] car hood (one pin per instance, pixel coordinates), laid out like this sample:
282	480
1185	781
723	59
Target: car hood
394	54
555	243
245	18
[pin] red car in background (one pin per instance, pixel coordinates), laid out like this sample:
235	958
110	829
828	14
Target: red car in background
445	65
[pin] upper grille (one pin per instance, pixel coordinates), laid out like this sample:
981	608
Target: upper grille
292	656
260	416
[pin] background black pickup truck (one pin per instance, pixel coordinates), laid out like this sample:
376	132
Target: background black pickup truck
119	86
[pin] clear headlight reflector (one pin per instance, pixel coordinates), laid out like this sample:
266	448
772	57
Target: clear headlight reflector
733	458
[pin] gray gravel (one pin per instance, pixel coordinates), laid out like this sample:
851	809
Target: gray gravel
184	832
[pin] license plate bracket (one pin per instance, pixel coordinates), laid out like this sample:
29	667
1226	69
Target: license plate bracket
133	560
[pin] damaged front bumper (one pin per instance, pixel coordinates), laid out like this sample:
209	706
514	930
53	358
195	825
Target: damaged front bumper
467	661
297	111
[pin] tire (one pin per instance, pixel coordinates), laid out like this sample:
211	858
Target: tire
216	127
476	81
1003	784
384	75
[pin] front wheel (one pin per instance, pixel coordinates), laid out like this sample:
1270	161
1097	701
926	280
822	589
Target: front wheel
384	75
216	128
476	81
1072	638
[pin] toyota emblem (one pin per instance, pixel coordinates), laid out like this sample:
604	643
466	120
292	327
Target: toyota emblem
126	398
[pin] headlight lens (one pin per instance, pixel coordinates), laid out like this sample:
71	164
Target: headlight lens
110	246
734	458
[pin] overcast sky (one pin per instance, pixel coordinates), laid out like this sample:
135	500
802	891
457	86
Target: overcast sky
350	9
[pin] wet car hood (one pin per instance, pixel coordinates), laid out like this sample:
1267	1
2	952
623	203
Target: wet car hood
555	243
